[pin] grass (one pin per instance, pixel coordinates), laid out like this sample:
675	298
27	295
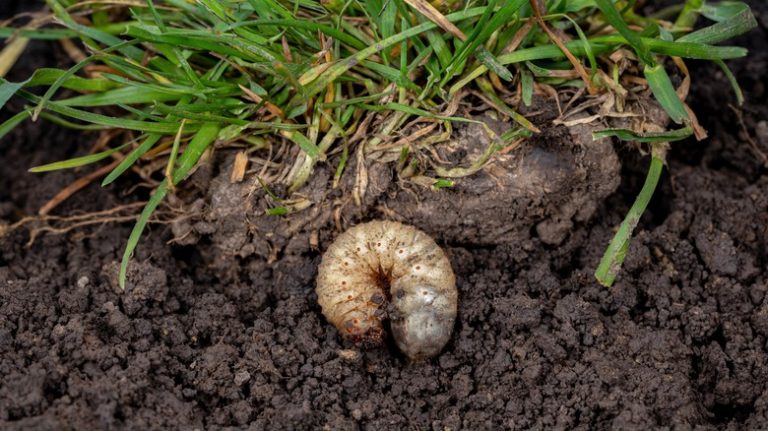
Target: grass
181	76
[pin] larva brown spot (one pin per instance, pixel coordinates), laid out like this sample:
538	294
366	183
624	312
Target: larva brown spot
422	304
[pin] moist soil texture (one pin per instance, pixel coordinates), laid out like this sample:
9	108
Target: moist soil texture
220	328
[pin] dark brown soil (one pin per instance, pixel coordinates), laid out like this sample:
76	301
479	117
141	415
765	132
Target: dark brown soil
225	332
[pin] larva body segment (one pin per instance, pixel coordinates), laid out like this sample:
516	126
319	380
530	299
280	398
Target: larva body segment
387	270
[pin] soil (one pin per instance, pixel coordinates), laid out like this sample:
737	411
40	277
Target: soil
221	329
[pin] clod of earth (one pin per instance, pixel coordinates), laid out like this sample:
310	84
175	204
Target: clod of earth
384	269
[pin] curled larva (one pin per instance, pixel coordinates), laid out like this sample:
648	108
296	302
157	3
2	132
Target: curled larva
384	270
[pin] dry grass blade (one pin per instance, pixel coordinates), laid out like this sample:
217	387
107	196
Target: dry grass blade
434	15
239	167
76	186
11	53
559	42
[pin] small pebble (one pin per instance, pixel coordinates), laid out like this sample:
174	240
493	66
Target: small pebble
349	355
242	377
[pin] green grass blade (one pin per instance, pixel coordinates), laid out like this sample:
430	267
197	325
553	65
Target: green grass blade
502	17
61	79
733	26
587	46
442	51
689	14
8	89
338	69
721	11
94	33
526	86
392	106
131	158
732	80
138	229
617	21
487	89
167	128
55	119
493	64
40	34
77	161
341	36
355	100
629	135
392	74
698	51
542	52
665	93
14	121
47	76
199	143
610	264
302	141
125	96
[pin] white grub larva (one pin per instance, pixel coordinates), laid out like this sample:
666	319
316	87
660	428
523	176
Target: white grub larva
386	270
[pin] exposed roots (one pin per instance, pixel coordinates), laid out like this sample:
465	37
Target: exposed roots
59	225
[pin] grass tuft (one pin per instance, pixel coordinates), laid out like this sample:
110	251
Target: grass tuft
313	77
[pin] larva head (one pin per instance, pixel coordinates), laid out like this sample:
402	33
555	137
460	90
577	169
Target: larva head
423	322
